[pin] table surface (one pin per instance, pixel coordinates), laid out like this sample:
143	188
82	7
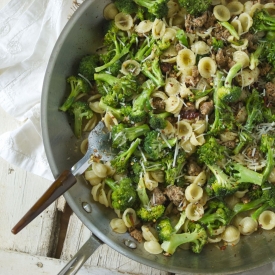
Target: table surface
46	244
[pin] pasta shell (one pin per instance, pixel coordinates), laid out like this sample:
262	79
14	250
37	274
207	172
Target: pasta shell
124	21
185	59
235	7
110	11
158	29
221	13
207	67
144	26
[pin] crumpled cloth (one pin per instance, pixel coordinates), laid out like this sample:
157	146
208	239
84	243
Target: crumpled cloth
28	32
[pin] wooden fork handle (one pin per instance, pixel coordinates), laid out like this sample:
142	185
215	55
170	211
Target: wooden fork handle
64	182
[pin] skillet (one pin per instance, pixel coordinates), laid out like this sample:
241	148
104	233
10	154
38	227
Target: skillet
83	35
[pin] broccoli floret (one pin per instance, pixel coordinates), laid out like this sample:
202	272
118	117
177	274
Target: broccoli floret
244	175
151	69
263	21
158	8
139	166
270	54
210	153
78	85
173	166
119	113
87	66
124	194
216	215
267	147
217	44
223	184
119	47
80	111
121	135
144	49
229	93
182	37
117	90
158	121
196	236
126	6
139	113
253	108
165	229
155	145
224	118
121	161
147	212
195	7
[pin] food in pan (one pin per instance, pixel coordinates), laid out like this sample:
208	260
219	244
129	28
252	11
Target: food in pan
187	91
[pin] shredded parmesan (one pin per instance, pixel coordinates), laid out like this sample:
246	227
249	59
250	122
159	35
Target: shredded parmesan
86	79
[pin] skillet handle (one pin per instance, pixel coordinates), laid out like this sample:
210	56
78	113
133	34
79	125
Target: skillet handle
81	256
64	182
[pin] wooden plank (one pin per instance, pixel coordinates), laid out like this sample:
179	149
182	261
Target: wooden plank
104	256
18	192
13	263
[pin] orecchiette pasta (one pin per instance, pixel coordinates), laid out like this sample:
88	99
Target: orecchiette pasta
184	130
149	233
240	56
247	226
158	29
246	21
235	7
193	192
130	67
129	217
124	21
207	67
185	59
110	11
231	234
267	220
194	211
118	226
152	247
236	23
149	182
200	47
172	86
144	26
173	104
221	13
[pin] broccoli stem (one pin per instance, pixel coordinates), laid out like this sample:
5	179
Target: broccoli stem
242	207
254	57
259	211
246	175
141	191
111	183
111	80
231	29
231	74
179	239
134	132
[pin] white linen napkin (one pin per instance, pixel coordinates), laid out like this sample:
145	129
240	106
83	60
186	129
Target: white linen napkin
28	32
